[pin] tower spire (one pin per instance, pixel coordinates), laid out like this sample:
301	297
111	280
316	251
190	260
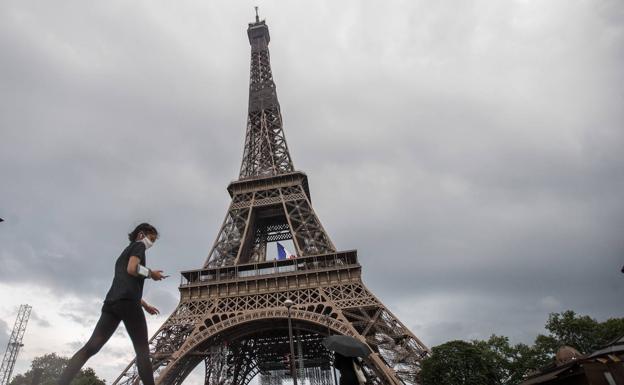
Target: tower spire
266	152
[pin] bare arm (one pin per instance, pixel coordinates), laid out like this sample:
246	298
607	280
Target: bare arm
133	265
149	308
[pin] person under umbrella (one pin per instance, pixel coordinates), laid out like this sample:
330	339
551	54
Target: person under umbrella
346	349
345	367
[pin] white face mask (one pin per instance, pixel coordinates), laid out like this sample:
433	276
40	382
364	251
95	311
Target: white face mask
147	242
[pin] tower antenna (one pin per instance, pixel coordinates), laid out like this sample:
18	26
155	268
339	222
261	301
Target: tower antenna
257	17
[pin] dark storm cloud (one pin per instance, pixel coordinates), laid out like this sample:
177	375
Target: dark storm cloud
471	152
492	172
88	140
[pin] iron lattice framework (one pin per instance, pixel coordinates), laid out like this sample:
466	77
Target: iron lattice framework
231	313
15	343
265	152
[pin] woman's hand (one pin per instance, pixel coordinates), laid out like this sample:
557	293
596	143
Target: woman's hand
150	309
157	275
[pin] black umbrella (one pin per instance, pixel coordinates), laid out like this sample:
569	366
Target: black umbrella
347	346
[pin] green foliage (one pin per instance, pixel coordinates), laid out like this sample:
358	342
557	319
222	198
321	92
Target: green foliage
609	330
458	363
496	361
49	368
527	359
87	377
581	332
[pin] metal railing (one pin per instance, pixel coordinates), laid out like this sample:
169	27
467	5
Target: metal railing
267	268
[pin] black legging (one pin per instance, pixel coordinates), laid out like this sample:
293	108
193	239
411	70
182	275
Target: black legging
131	313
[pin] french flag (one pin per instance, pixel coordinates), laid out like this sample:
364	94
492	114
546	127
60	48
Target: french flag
282	253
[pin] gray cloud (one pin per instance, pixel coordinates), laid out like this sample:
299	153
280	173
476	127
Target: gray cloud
75	345
164	300
106	350
83	312
39	320
468	151
5	334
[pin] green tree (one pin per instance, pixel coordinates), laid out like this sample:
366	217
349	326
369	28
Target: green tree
581	332
609	330
499	362
499	353
511	362
87	377
527	359
458	363
48	369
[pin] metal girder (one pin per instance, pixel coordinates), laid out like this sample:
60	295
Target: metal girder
274	212
231	314
266	151
15	343
250	320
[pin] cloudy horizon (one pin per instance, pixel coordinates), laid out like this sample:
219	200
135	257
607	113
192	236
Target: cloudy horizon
471	152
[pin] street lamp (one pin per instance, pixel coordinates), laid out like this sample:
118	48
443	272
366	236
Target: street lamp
288	303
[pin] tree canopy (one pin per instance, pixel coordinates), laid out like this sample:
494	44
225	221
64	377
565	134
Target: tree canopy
458	362
496	361
48	369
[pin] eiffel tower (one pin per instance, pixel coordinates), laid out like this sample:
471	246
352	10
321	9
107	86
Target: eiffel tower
231	314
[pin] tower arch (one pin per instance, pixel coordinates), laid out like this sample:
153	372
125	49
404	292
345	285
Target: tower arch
258	340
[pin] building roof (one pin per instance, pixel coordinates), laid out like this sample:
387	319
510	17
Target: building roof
617	346
553	371
546	376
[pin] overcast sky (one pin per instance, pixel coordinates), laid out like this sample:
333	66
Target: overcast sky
471	151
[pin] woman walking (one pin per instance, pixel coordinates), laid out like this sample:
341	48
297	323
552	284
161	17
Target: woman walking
124	303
